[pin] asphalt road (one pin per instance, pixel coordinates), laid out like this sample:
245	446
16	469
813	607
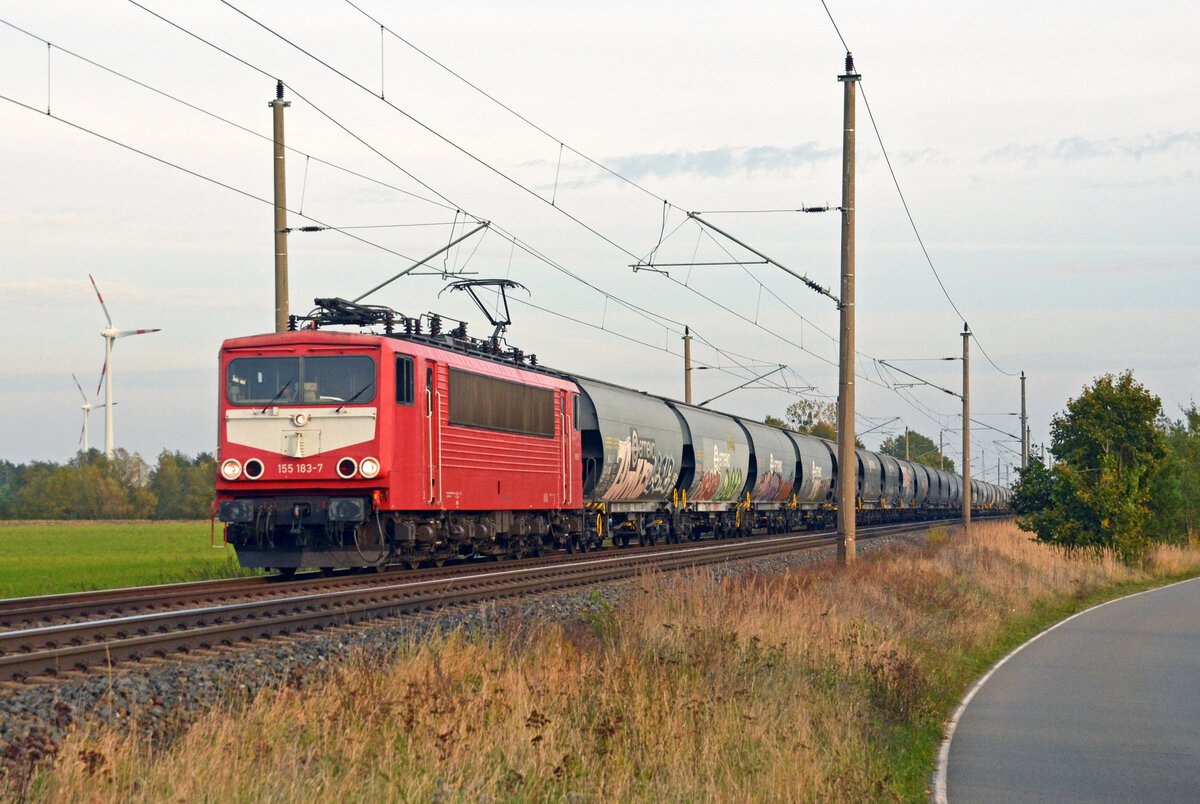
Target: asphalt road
1104	707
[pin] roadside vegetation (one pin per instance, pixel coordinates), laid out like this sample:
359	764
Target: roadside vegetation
817	683
1124	477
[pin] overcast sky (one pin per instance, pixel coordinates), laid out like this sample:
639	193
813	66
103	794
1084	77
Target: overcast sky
1048	153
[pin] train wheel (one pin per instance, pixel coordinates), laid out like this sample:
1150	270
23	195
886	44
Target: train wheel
286	572
327	571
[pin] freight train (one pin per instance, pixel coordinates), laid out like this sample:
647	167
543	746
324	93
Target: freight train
410	443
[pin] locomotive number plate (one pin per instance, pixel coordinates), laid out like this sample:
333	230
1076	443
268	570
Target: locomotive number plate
300	468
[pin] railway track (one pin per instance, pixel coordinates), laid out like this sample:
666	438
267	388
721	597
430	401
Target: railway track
99	629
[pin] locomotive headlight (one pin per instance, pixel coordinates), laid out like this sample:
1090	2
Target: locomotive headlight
369	467
231	469
346	468
254	469
300	419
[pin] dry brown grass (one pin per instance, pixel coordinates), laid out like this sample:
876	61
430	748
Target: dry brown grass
814	685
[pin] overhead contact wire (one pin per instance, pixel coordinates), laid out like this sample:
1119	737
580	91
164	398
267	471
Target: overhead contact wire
509	109
479	160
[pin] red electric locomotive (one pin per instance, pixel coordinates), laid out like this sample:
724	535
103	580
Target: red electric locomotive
343	449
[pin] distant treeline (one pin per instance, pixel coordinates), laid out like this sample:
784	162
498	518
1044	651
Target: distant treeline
91	486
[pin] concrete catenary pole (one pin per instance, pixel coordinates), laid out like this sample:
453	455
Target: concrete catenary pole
847	461
281	257
966	469
1024	427
687	365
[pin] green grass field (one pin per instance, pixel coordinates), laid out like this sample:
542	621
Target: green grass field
44	558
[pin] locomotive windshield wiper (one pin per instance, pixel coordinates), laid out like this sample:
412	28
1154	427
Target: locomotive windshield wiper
357	394
275	398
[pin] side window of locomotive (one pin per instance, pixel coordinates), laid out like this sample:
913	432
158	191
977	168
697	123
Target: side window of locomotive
405	381
429	392
495	404
575	410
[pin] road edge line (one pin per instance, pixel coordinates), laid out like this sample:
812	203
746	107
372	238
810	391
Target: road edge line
939	774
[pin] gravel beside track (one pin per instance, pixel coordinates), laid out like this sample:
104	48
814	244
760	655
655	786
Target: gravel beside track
160	699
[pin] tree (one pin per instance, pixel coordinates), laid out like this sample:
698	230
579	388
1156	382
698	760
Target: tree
920	449
1175	486
89	487
183	487
12	477
815	418
1107	448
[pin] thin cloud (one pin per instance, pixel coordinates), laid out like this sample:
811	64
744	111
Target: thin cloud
712	163
1075	149
721	162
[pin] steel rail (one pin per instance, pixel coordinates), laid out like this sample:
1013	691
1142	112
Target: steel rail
50	650
55	609
29	612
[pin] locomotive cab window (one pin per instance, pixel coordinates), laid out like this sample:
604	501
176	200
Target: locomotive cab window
405	380
495	404
300	380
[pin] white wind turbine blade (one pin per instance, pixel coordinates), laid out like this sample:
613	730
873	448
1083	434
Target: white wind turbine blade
136	332
103	371
80	387
101	298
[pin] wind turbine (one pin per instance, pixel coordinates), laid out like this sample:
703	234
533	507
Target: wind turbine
87	407
110	335
87	411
